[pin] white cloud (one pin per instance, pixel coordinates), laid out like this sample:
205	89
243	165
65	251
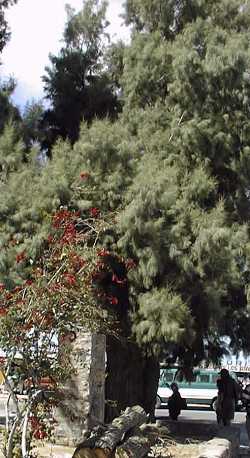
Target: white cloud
37	27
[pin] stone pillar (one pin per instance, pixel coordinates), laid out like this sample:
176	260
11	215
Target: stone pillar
97	380
84	393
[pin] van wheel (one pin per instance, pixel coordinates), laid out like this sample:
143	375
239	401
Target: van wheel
158	402
213	404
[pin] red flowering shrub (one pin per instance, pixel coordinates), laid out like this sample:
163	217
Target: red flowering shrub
63	217
72	283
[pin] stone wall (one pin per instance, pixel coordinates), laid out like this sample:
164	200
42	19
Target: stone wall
83	400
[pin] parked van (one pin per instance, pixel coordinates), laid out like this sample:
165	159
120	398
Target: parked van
202	389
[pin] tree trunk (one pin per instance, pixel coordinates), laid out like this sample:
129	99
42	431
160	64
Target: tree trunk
134	447
132	379
86	448
133	416
104	440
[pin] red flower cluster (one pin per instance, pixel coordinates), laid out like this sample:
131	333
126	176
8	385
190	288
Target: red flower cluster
50	238
130	264
113	300
17	289
76	261
70	279
84	175
117	280
37	427
61	217
40	434
69	234
20	257
94	212
103	252
35	423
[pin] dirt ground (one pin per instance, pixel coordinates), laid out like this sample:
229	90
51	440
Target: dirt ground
168	446
175	450
164	445
163	449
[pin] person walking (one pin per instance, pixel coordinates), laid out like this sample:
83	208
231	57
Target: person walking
175	402
219	402
246	400
227	397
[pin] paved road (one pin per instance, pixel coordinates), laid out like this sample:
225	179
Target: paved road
199	414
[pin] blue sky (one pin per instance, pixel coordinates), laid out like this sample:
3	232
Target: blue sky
37	27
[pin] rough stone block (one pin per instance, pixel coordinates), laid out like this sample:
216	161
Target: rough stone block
84	394
217	448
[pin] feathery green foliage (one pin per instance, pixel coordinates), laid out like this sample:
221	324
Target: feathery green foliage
174	167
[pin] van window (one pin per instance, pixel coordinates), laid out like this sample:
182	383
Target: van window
166	377
195	377
180	377
204	378
214	378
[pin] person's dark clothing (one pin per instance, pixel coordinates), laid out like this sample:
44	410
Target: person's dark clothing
246	399
227	392
248	409
175	403
219	402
